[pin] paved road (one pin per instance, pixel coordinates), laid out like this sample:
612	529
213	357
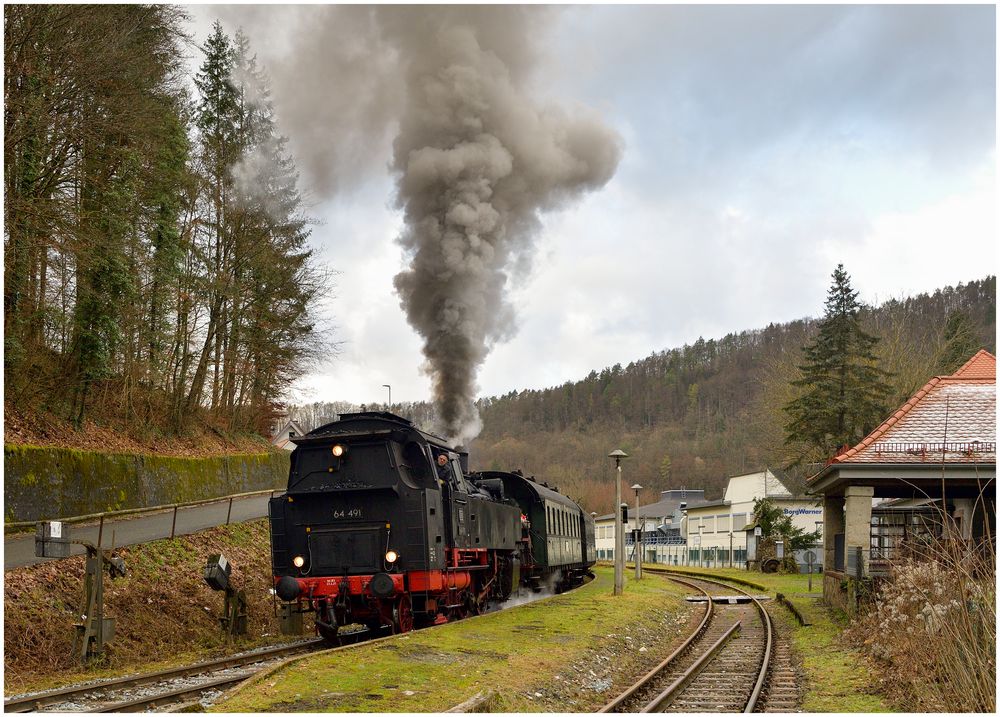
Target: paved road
19	550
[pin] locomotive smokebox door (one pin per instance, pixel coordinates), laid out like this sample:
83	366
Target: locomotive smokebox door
51	539
217	571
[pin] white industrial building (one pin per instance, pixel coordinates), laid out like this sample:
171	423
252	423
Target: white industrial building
660	521
715	531
682	528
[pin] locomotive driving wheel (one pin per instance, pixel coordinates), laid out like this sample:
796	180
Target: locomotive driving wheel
402	615
473	606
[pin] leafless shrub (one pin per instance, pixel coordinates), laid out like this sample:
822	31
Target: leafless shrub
932	625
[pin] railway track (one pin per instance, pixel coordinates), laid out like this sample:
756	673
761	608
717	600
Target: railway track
720	667
156	689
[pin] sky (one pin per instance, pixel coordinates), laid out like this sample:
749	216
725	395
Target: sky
760	147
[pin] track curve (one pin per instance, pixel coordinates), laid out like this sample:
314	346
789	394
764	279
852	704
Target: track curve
720	667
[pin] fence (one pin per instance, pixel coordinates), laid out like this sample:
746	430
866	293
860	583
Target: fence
140	525
29	525
704	557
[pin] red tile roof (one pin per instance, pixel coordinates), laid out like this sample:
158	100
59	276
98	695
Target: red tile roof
982	365
951	419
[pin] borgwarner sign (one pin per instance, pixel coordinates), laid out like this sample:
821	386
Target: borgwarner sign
803	511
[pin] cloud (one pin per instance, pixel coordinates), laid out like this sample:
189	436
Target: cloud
763	144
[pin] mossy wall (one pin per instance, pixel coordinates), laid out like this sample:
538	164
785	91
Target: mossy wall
46	482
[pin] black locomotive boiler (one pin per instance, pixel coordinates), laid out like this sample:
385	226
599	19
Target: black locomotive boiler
382	524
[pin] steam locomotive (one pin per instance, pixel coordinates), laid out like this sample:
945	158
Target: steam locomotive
382	524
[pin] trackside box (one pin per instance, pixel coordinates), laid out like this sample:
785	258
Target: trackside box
52	539
217	571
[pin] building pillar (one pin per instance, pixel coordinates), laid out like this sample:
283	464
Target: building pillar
961	519
833	524
858	523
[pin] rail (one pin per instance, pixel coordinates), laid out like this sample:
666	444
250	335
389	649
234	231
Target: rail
645	679
678	684
38	700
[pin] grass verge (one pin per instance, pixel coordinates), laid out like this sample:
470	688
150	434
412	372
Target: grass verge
566	653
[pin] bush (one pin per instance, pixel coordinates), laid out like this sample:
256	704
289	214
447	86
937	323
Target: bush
932	627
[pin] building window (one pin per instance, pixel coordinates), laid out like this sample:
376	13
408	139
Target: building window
709	524
722	523
739	521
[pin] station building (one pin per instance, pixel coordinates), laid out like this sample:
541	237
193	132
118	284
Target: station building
928	471
715	531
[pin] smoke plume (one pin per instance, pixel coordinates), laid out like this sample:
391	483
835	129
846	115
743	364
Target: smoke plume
478	159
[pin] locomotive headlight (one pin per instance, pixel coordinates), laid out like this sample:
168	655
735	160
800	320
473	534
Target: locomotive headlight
298	561
391	556
338	450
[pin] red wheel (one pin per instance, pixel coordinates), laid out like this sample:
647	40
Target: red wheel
402	615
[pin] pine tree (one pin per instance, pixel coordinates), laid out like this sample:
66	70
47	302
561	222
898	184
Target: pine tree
664	470
961	341
844	391
216	119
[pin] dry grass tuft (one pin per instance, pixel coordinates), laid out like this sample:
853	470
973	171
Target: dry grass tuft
932	627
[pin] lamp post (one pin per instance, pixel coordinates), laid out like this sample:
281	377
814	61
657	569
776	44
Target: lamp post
701	546
618	454
638	535
385	385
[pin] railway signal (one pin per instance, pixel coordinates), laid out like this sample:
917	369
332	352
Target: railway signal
52	540
234	612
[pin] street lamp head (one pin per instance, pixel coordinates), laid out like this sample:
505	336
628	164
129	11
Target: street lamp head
618	454
637	487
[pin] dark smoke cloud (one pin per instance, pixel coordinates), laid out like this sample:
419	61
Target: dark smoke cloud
477	158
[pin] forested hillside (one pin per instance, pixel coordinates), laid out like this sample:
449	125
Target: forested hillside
691	416
157	274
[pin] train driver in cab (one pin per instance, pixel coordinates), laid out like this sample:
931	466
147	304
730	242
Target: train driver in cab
444	471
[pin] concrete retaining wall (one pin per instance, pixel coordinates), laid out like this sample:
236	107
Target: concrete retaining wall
46	482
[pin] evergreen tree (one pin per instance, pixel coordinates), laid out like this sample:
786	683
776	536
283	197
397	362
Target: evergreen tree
665	469
843	390
216	119
961	341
